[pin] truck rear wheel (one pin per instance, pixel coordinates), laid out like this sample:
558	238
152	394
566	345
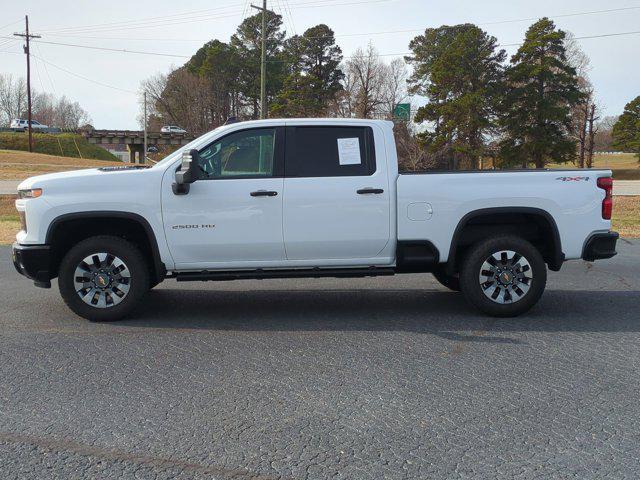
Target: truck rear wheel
103	278
504	276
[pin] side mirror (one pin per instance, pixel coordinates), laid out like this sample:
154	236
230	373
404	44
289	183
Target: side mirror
188	172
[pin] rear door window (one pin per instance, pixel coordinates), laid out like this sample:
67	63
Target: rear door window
329	151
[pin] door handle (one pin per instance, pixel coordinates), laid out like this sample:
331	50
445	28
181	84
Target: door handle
364	191
264	193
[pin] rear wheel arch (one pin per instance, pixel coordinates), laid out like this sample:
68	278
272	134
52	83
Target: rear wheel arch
533	224
67	230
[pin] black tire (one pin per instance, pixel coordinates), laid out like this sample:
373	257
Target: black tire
138	282
452	282
473	290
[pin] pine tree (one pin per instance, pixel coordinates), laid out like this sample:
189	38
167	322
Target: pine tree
626	131
542	90
459	69
247	42
314	77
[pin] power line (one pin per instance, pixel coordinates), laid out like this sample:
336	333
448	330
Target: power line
46	70
83	77
144	20
119	50
563	15
583	37
137	24
11	23
156	24
271	61
288	8
383	32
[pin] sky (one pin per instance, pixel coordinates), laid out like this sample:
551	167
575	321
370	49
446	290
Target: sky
106	83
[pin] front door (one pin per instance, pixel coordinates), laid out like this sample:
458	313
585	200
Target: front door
232	215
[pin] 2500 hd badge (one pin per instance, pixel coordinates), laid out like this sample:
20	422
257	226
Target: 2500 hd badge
187	227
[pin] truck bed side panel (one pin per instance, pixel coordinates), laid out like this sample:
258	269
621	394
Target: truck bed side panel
430	206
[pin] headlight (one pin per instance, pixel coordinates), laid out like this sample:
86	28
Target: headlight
30	193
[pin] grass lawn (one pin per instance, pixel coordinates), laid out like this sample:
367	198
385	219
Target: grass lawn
18	165
616	161
625	166
626	216
62	144
9	220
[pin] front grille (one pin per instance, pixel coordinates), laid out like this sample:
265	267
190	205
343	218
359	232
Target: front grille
23	220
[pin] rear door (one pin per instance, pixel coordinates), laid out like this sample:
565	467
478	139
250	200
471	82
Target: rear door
336	195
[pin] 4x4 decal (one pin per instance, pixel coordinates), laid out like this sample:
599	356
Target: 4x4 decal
573	179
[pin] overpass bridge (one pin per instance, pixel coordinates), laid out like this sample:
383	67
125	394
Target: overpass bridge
134	140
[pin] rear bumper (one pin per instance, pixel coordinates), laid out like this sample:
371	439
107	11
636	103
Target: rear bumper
599	246
33	261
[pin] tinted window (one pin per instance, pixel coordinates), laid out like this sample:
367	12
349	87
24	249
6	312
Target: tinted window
329	152
248	153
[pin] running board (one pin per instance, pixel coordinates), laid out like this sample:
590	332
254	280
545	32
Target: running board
260	274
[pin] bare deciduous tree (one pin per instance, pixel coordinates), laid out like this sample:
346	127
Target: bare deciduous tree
179	98
584	113
13	98
371	87
61	113
394	89
365	75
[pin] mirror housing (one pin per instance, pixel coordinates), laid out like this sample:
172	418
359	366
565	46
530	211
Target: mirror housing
188	172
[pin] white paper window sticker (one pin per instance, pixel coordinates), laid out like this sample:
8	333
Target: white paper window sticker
349	151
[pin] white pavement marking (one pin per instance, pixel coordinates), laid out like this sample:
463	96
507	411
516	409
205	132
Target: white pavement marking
9	187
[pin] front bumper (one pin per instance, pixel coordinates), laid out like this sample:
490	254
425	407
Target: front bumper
599	246
33	261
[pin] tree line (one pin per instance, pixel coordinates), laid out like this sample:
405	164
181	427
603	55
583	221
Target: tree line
46	108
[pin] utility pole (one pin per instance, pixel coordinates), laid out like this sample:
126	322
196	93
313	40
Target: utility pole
263	61
27	37
144	155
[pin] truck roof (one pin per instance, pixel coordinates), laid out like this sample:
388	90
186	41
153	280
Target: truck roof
312	121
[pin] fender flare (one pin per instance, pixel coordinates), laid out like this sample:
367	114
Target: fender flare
557	257
158	266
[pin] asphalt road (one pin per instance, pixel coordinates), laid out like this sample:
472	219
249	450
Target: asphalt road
391	378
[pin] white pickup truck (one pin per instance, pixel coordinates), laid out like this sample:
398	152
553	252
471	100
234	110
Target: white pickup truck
305	198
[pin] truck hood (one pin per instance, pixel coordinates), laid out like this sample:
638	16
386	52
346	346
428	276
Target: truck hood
73	178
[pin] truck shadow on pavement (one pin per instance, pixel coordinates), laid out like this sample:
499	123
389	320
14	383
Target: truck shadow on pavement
445	314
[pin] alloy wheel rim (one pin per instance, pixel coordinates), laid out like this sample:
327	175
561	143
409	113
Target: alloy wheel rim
102	280
505	277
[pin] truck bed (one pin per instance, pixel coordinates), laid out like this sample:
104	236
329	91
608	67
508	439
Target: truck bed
432	204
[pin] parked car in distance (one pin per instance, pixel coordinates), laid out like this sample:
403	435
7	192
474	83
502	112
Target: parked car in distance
152	149
172	129
299	198
22	123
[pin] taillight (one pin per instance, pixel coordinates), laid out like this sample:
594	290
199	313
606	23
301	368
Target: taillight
606	183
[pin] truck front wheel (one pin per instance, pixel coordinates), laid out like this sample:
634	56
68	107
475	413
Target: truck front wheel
504	276
102	278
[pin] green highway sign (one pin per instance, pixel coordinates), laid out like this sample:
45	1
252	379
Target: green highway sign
402	111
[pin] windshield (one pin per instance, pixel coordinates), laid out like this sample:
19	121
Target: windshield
171	157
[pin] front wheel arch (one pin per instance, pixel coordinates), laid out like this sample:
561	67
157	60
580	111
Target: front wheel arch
67	230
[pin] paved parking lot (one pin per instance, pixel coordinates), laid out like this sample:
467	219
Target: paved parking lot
312	379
